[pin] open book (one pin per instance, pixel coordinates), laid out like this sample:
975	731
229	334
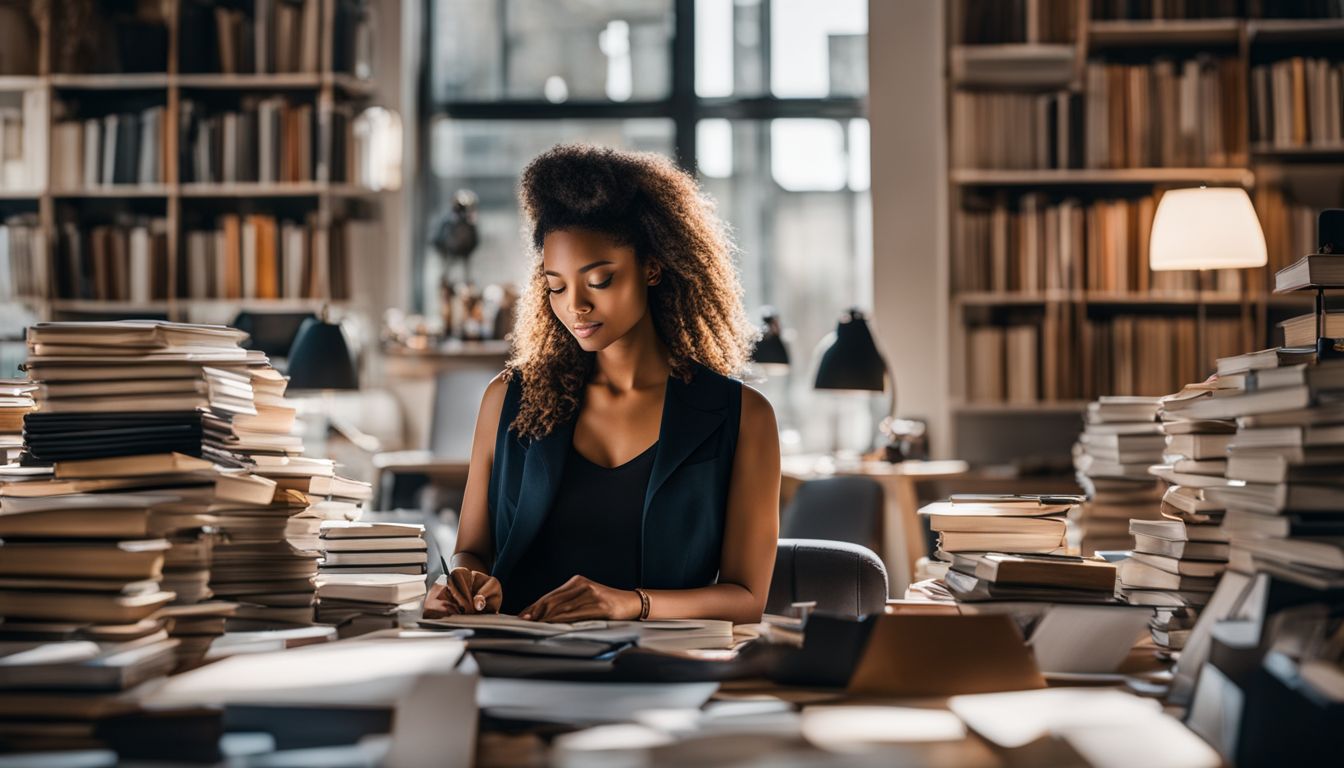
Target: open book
668	635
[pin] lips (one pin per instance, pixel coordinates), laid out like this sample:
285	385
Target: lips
584	330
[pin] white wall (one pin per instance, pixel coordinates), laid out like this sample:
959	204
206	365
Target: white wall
909	190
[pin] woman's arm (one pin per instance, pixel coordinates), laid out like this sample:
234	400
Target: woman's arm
750	538
470	565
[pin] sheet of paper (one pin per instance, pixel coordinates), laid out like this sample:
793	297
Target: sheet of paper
583	703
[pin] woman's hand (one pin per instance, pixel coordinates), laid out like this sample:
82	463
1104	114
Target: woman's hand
581	598
465	591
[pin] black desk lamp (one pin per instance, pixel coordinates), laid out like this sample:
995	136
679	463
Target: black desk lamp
852	362
319	358
770	352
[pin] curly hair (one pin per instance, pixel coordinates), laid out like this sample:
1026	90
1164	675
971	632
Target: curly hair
641	200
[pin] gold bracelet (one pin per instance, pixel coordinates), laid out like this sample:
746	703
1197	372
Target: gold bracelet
643	603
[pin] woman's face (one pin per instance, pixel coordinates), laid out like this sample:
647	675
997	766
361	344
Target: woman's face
597	287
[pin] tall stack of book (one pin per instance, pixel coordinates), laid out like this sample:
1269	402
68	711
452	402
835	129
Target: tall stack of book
1120	440
1283	515
1013	548
372	575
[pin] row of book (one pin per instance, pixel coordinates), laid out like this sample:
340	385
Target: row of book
1120	440
1164	114
124	148
125	261
1015	131
259	257
23	257
1033	243
274	36
268	140
22	143
1298	102
1059	359
1138	10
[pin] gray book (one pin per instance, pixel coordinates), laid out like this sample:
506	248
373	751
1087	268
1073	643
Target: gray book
108	168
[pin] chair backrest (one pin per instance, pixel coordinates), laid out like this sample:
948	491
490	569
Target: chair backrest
843	579
838	509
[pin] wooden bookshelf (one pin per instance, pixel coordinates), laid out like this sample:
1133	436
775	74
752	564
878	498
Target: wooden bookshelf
1066	312
181	205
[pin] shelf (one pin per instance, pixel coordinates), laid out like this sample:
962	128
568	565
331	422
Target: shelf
288	189
972	177
1114	298
1055	407
1303	154
1138	34
282	81
186	304
104	305
10	83
355	86
112	82
116	190
1295	30
1027	65
20	194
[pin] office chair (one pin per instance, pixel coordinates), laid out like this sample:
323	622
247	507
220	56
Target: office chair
843	579
270	332
838	509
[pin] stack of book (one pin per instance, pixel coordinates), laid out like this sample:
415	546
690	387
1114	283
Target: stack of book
1013	548
372	576
127	388
1287	460
1174	568
1120	440
16	401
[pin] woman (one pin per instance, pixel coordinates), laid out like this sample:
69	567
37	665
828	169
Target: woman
616	471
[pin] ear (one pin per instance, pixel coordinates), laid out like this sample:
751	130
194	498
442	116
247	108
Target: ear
654	273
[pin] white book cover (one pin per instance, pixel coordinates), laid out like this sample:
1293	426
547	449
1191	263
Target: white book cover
294	247
35	138
229	141
249	237
198	267
219	268
93	146
148	172
107	174
139	269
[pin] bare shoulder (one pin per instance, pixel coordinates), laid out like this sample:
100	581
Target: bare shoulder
492	402
758	417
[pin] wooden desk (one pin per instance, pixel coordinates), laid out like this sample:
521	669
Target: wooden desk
902	536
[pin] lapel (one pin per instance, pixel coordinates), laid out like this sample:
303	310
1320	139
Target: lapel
691	413
543	466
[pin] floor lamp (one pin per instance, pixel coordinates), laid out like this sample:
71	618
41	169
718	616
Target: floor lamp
1201	229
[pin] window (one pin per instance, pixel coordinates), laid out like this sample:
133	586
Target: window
763	98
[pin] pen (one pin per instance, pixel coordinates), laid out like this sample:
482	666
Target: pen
444	563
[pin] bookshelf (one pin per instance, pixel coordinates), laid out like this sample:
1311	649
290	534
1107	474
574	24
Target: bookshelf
1047	240
297	194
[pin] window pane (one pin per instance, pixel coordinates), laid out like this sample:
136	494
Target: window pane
487	157
807	252
551	49
818	49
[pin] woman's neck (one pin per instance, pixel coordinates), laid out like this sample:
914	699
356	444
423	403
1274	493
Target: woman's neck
636	360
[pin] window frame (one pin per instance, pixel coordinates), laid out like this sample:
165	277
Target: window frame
682	106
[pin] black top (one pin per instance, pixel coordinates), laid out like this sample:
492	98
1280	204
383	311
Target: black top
593	529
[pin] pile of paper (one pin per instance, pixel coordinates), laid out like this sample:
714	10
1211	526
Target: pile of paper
1120	440
16	400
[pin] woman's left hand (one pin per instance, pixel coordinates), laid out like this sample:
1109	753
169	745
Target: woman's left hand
581	598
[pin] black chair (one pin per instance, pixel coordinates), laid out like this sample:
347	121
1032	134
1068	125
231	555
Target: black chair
843	579
270	332
845	508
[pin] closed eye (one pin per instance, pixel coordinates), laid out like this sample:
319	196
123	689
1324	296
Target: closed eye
603	284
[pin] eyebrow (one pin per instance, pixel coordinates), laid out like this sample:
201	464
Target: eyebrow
582	269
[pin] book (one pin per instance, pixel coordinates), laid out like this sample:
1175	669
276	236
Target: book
1176	530
1300	331
965	587
1181	566
133	560
1317	270
130	466
408	557
84	666
389	589
379	544
94	607
1195	550
1067	572
1031	543
1135	574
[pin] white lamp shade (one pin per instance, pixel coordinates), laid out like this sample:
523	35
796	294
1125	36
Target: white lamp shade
1206	228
